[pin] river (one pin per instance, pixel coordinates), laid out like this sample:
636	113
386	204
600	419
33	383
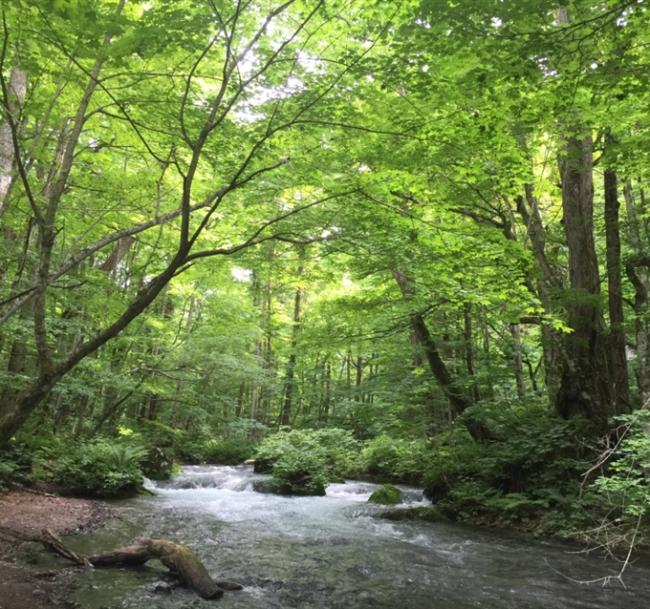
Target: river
333	552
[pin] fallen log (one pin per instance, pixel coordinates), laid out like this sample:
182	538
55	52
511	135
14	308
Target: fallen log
179	559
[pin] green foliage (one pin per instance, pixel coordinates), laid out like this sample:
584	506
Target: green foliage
400	460
213	450
272	448
234	445
102	468
530	469
335	448
297	472
386	494
8	473
432	148
228	451
205	449
157	463
15	465
623	489
340	452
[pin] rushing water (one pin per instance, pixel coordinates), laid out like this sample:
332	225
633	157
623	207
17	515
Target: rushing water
334	553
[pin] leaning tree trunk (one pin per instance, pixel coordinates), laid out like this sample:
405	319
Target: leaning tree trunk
178	558
518	361
458	402
548	284
585	381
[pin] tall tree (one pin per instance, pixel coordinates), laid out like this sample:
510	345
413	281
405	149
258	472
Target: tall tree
251	47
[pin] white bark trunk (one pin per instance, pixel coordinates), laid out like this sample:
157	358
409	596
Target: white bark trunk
17	91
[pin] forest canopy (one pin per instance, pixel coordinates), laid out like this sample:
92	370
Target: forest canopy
422	224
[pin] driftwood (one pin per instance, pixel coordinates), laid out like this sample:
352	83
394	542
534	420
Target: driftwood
179	559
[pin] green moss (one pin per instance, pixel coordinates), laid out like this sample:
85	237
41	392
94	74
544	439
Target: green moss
386	495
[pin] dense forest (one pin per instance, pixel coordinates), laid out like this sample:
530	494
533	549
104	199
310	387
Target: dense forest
403	241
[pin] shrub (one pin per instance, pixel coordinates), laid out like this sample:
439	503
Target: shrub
158	463
227	452
623	487
272	448
335	448
299	473
235	444
101	469
15	466
8	474
394	459
529	470
341	452
191	449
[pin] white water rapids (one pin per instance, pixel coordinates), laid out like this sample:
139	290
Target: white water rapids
333	552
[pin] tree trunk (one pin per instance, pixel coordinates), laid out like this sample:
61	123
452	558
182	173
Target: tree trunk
515	332
488	388
179	559
255	288
13	416
618	359
327	390
458	402
637	278
17	90
640	279
468	337
291	365
240	400
358	365
548	284
585	383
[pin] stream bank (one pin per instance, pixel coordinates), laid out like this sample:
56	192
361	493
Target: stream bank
333	552
27	586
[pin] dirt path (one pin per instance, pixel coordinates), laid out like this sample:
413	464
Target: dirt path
28	513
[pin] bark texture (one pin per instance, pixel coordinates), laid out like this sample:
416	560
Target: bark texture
17	90
548	285
179	559
585	384
636	268
618	360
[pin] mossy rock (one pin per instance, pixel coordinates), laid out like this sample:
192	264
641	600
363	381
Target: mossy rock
386	495
422	513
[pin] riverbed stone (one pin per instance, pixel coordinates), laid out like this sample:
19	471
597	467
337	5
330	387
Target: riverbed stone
422	513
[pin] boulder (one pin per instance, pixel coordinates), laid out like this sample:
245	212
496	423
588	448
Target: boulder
386	495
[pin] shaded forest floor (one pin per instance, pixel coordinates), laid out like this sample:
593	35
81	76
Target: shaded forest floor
27	513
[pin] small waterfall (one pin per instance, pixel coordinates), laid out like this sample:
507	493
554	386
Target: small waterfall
232	478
